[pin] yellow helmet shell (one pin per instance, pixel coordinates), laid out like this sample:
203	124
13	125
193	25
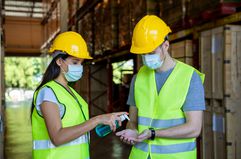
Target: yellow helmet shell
148	34
71	43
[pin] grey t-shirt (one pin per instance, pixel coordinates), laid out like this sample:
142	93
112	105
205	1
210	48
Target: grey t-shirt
195	96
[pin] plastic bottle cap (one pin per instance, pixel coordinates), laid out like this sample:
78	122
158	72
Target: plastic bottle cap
124	117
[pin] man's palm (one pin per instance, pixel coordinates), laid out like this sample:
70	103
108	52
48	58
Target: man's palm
128	133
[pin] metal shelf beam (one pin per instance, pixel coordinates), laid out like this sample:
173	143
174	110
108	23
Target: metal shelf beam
219	22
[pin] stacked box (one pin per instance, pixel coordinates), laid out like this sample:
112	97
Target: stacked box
232	87
74	5
53	24
137	11
173	12
219	51
85	29
182	51
220	60
207	142
213	145
197	6
206	68
103	40
124	23
99	29
233	137
107	29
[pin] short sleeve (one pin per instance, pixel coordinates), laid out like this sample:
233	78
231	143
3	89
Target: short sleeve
47	94
195	99
131	97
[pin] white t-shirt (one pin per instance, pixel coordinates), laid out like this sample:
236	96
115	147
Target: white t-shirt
47	94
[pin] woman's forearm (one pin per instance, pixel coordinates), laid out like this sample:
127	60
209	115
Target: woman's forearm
67	134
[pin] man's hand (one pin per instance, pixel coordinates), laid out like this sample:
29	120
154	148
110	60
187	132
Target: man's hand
146	134
128	136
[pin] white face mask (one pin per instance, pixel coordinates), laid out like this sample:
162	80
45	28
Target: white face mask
74	72
152	61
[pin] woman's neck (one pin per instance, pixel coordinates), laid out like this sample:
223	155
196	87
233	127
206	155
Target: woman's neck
60	79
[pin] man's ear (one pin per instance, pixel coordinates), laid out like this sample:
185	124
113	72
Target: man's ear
166	44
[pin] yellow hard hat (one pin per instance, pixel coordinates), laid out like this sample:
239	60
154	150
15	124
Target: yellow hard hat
71	43
148	34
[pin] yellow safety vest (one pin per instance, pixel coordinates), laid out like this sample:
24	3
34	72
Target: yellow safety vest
161	111
75	107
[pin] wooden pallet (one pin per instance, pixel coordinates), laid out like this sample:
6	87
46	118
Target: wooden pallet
207	143
217	50
225	92
233	128
213	145
232	62
205	61
218	127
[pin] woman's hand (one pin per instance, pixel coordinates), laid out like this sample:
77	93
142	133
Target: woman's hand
110	119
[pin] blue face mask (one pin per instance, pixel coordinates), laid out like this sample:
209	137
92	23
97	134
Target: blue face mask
74	73
152	61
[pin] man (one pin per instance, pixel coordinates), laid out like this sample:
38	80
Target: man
166	98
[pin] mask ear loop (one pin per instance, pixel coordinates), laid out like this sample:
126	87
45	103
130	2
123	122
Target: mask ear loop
62	68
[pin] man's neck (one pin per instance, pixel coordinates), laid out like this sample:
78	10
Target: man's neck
168	64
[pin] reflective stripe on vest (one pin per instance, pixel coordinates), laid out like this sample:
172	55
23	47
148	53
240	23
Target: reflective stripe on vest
166	149
47	144
163	109
157	123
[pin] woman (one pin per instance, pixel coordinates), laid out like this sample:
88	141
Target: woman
60	119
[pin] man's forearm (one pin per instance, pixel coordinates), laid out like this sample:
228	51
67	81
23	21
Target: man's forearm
182	131
190	129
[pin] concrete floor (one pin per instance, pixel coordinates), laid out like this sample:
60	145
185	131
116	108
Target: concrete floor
18	141
18	136
109	147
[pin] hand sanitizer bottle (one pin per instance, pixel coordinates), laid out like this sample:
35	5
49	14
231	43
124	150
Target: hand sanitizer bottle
103	130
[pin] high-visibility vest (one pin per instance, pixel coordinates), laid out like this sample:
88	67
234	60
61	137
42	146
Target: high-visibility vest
76	112
163	110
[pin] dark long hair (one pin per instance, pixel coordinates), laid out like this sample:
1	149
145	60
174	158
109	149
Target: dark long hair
52	72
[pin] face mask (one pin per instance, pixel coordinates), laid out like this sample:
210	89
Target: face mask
74	73
152	61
